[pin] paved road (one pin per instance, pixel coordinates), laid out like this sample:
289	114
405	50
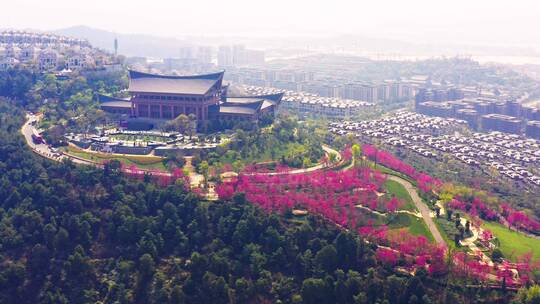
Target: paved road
421	206
28	130
43	149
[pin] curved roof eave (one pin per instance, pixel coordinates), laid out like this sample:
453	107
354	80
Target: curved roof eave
212	76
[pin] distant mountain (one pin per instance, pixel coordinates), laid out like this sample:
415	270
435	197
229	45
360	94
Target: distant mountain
128	44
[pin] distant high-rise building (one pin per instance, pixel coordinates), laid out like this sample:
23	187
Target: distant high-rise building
204	54
225	56
239	54
115	47
254	57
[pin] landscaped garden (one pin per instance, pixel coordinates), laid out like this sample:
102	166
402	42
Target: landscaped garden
286	143
412	224
352	199
512	243
142	162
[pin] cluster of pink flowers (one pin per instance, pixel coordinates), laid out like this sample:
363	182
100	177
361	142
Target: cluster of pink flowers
518	219
417	252
423	181
514	274
335	195
506	215
470	267
332	194
387	256
486	236
162	178
225	191
475	208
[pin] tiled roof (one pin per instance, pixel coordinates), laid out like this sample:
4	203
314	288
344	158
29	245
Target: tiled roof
191	85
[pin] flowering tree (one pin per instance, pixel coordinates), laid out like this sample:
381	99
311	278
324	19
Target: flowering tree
424	181
387	256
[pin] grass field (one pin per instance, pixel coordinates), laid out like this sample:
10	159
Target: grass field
514	244
416	226
445	236
395	189
142	162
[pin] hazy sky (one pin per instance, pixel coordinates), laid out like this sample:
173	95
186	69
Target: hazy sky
482	21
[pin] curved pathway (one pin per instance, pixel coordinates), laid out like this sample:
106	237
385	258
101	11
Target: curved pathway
320	166
421	206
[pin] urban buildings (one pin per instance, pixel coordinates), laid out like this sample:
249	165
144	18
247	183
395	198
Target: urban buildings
488	110
305	104
503	123
305	81
532	129
238	55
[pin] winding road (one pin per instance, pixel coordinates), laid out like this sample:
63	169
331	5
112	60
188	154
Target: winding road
43	149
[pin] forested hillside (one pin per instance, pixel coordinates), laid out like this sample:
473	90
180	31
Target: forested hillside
84	235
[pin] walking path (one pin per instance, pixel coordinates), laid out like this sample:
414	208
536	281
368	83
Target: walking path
317	167
415	214
421	206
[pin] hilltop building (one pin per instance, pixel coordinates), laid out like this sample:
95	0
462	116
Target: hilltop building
115	105
164	97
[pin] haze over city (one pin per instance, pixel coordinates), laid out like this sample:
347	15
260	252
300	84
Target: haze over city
477	22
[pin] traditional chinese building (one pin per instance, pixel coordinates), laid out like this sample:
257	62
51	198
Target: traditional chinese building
250	108
115	105
166	97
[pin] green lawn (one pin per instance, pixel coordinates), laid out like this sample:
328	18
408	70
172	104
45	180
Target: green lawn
441	223
395	189
416	226
514	244
138	161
